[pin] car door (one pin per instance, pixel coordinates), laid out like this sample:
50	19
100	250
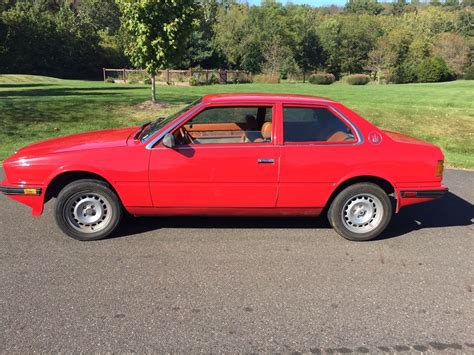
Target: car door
220	159
319	146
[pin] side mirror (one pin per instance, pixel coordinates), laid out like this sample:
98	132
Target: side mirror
168	140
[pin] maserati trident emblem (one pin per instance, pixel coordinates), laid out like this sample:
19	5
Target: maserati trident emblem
375	138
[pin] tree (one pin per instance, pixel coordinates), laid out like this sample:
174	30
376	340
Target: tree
158	31
309	52
398	7
372	7
275	54
103	14
347	41
432	70
381	59
454	49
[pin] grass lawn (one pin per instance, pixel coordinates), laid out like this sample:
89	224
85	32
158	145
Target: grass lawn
34	108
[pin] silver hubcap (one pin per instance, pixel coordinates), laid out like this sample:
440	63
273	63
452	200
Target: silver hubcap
362	213
89	212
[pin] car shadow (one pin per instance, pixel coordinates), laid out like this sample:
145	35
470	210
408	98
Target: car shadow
449	211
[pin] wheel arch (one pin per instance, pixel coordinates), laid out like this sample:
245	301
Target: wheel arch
383	183
58	182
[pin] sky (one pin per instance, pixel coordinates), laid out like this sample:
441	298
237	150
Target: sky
309	2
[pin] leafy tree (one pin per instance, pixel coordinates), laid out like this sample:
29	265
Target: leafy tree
103	14
347	41
233	35
372	7
39	40
158	31
275	54
398	7
309	52
454	49
200	50
432	70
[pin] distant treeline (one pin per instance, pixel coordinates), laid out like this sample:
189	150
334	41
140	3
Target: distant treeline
393	42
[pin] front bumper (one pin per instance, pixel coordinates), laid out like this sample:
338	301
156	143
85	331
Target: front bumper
27	195
20	191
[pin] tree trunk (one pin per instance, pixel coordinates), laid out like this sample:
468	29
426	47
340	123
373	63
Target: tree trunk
304	76
153	88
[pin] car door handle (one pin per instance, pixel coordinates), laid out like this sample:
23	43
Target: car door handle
265	161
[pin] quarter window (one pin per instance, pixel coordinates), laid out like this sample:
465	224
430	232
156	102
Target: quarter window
314	124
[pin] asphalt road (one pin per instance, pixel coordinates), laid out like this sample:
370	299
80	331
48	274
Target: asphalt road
242	284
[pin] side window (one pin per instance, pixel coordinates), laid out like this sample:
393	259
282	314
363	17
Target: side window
314	124
229	124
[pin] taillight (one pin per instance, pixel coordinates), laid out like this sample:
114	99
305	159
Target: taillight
440	168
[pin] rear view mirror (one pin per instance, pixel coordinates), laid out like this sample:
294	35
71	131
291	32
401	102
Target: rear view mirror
168	140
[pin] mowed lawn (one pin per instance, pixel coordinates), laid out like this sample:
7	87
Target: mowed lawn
34	108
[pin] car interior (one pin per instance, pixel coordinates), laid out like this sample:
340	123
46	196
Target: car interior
227	125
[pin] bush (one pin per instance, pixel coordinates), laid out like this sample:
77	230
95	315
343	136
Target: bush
213	79
110	80
469	74
147	81
266	78
322	78
433	69
194	82
358	79
405	73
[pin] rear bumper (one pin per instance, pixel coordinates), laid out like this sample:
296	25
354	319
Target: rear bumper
20	191
424	193
411	195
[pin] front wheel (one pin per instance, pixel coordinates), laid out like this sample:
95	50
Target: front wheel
360	212
88	210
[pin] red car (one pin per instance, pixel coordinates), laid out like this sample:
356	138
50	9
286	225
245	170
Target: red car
231	154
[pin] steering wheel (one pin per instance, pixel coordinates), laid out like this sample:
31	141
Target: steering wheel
186	136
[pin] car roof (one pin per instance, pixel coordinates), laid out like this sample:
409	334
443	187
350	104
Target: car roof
264	97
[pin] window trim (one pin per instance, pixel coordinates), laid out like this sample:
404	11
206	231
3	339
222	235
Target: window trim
357	135
175	125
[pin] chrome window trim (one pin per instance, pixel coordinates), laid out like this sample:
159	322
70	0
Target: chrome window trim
179	121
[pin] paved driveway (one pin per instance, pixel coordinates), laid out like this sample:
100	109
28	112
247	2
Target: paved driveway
242	284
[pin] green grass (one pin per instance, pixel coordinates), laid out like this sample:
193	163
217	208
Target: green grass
33	108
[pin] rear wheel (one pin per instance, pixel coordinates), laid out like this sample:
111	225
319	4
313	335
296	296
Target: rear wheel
360	212
88	210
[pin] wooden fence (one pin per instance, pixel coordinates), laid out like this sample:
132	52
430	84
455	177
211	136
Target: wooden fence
178	77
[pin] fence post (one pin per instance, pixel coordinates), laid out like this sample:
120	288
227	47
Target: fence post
103	73
124	75
207	75
190	73
222	76
167	76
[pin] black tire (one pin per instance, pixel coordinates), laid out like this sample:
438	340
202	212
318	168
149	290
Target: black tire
360	212
100	210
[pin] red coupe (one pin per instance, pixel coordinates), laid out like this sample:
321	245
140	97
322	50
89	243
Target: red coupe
231	154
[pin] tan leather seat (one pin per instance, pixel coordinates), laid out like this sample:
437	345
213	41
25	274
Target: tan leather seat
339	137
267	131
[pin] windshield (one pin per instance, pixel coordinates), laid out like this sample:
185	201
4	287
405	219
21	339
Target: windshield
160	122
